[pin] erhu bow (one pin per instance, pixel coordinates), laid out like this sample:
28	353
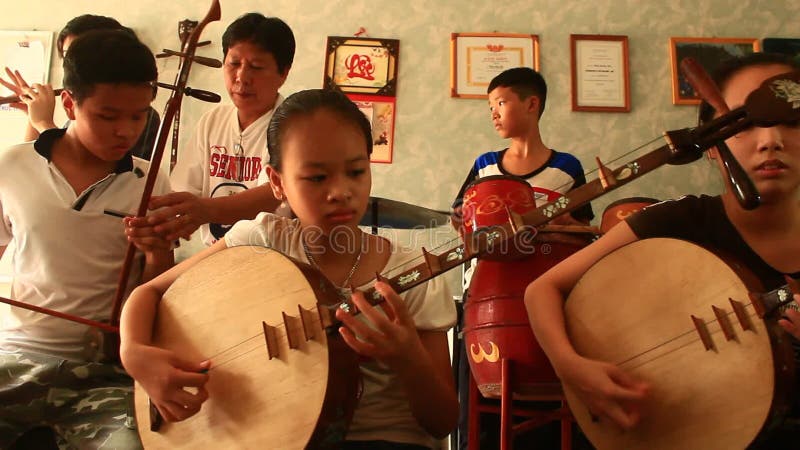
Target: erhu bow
15	98
171	108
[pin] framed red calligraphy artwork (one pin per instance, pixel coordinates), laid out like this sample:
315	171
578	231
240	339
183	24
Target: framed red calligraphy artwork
361	65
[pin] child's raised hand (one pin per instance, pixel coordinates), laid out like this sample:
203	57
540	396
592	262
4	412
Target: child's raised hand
392	339
164	376
41	102
16	84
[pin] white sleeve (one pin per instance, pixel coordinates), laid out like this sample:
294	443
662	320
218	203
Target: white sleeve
190	170
5	222
163	185
262	177
266	230
431	305
5	226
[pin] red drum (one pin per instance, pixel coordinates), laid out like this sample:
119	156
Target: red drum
485	203
486	199
496	323
617	211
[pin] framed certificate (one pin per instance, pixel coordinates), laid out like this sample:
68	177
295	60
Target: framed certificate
476	58
600	75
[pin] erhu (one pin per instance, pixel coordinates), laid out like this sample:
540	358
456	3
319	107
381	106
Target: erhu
179	89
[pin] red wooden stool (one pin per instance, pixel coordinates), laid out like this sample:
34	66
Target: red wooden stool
507	410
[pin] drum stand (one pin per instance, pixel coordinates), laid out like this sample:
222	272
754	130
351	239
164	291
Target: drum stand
507	411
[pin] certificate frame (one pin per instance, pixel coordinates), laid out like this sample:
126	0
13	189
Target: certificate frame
475	58
709	53
600	73
361	65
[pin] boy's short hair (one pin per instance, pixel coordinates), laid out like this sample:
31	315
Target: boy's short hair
271	34
107	56
524	82
730	67
83	23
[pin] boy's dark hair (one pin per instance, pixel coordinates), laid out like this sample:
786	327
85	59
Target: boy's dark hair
730	67
305	103
107	56
524	82
86	22
271	34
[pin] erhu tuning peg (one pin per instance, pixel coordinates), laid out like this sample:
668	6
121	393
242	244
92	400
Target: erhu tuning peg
210	62
199	94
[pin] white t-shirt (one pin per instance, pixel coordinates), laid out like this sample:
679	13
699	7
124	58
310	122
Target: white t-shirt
68	248
383	412
222	159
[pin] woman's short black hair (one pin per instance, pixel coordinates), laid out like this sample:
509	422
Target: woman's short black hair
271	34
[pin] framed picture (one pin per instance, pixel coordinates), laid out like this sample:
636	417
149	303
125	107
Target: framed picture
476	58
28	52
709	53
785	46
600	74
381	112
362	65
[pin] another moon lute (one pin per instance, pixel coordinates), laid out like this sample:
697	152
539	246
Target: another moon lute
277	380
664	310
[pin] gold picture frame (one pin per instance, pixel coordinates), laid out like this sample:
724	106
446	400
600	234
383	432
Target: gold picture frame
361	65
709	53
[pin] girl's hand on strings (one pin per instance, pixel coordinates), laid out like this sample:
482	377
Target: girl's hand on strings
390	337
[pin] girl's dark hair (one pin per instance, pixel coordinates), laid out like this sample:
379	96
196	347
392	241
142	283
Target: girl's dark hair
730	67
271	34
107	56
305	103
86	22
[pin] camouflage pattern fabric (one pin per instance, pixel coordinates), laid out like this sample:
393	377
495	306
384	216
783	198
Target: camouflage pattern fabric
89	405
